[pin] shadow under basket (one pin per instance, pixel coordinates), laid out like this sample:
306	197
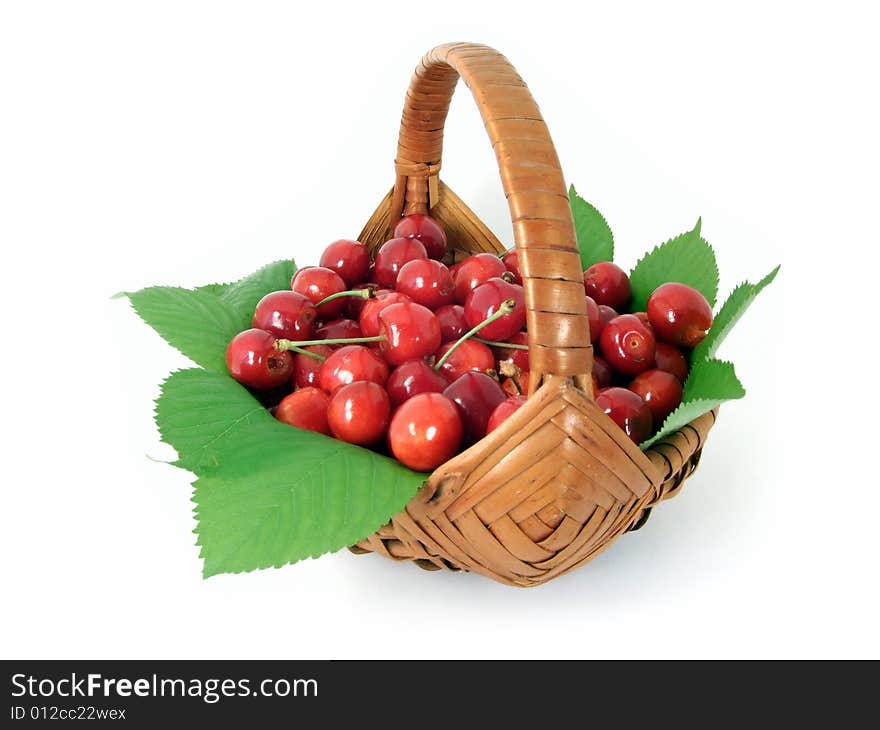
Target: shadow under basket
558	481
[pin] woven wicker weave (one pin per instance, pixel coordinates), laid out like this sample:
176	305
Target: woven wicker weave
558	481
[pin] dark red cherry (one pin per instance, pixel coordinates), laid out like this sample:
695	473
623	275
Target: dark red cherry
354	305
514	355
601	371
392	255
628	411
505	410
486	299
608	284
594	318
470	355
411	331
359	413
425	431
660	390
338	329
680	314
305	408
425	229
252	360
349	259
369	318
351	364
671	359
511	263
606	314
286	314
317	283
643	318
426	282
476	270
627	345
476	395
452	322
305	368
411	378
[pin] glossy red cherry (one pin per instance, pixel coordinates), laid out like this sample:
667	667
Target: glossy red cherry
252	360
486	299
608	284
411	331
680	314
476	270
286	314
349	259
660	390
452	322
317	283
505	410
411	378
305	408
511	263
359	413
470	355
338	329
628	411
515	355
594	318
606	314
305	368
426	282
351	364
476	395
393	255
369	318
425	431
671	359
627	345
425	229
601	371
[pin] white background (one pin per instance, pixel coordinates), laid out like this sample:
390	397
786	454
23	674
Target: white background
183	143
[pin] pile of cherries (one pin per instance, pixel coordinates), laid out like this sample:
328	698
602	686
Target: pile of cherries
406	353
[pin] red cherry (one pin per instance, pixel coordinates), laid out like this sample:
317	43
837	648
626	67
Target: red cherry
514	355
426	230
425	431
627	345
252	360
470	355
602	372
317	283
351	364
486	299
305	408
509	385
393	255
671	359
594	318
338	329
349	259
643	318
286	314
305	368
608	284
476	395
411	378
426	282
453	270
476	270
628	411
606	314
354	305
369	319
452	322
411	331
359	413
505	410
511	263
660	390
679	314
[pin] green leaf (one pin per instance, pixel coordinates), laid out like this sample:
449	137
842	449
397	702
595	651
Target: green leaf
594	237
244	294
268	494
687	259
734	308
197	323
710	383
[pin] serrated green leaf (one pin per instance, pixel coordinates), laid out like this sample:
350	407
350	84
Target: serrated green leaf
709	384
729	314
594	237
244	294
688	259
269	494
198	324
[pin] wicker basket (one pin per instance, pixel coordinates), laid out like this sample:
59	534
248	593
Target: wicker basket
558	481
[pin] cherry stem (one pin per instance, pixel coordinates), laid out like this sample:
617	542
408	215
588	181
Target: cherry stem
301	351
298	345
506	308
511	345
365	293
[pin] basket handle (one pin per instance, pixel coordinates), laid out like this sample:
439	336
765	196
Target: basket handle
543	229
